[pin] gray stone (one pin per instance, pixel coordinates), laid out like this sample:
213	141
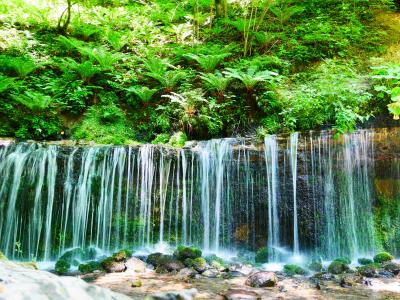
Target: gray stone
136	265
262	279
178	295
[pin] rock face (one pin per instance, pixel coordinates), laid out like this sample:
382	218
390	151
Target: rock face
262	279
17	282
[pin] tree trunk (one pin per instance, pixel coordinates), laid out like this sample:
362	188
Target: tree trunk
62	28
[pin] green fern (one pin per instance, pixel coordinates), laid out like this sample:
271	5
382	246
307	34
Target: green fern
33	100
216	82
6	83
251	77
169	80
86	70
208	62
142	92
19	66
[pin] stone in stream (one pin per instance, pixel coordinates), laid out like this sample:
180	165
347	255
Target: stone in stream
112	266
210	273
392	267
262	279
178	295
136	265
240	294
186	274
168	263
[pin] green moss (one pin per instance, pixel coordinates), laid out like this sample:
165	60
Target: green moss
344	260
315	266
178	139
262	255
2	256
162	138
153	258
365	261
136	283
122	255
183	252
199	264
89	267
62	266
107	263
338	267
291	270
383	257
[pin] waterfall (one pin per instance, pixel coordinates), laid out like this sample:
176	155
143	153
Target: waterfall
293	164
311	193
271	159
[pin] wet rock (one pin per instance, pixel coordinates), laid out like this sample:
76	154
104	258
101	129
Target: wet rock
178	295
392	267
324	276
183	252
29	265
385	274
136	283
153	258
349	281
76	255
136	265
112	266
235	274
199	264
369	271
383	257
168	263
240	294
187	274
62	267
210	273
89	267
262	279
338	267
315	266
122	255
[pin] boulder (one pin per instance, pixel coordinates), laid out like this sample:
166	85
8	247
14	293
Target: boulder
210	273
76	255
338	267
112	266
291	270
22	283
199	264
89	267
136	265
168	263
349	280
183	252
315	266
369	271
153	258
365	261
187	274
383	257
136	283
392	267
122	255
324	276
240	294
262	279
62	267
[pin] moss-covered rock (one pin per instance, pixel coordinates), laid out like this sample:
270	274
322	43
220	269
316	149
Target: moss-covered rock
136	283
261	255
112	266
153	258
215	261
344	260
338	267
291	270
370	270
315	266
62	267
183	252
383	257
89	267
168	263
122	255
365	261
199	264
76	255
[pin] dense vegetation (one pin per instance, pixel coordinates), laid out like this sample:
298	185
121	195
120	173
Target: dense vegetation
124	70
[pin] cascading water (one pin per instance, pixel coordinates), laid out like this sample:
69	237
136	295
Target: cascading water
308	194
